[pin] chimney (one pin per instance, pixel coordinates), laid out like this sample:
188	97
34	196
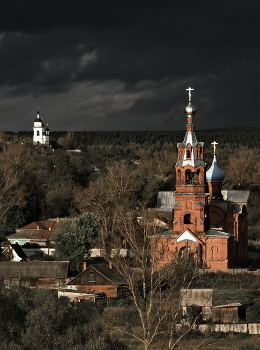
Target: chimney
84	265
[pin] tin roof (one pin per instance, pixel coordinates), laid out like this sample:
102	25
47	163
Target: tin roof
35	230
235	196
31	234
40	225
34	269
217	232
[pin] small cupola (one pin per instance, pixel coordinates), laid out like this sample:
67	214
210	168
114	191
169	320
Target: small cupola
215	176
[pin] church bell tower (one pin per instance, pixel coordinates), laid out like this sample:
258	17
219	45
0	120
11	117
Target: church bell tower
191	199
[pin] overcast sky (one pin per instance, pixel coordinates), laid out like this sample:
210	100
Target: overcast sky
125	65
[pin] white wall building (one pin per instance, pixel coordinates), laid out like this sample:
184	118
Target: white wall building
41	135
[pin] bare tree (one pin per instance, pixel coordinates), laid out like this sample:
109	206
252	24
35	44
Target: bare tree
16	162
154	291
105	196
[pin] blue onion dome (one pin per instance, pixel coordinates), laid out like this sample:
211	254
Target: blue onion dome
215	174
190	110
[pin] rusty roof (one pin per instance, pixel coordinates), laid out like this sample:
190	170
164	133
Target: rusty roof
34	269
40	225
31	234
36	230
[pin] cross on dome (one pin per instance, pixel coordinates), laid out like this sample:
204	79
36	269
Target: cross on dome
214	146
189	89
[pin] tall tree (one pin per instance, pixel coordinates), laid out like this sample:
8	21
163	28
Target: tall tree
74	237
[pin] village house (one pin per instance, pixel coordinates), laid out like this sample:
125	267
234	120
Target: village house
37	232
99	278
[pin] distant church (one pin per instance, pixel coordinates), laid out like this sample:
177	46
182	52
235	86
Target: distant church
209	225
41	135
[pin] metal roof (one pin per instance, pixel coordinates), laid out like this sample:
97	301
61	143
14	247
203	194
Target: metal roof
235	196
165	200
34	269
218	232
220	203
40	225
31	234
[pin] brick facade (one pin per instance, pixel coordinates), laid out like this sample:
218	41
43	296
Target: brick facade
205	227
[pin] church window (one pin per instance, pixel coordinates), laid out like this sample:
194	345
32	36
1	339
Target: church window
178	176
188	176
188	154
187	219
197	154
38	133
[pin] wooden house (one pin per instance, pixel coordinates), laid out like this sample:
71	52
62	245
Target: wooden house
100	278
35	274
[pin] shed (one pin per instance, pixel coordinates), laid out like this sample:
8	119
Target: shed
226	313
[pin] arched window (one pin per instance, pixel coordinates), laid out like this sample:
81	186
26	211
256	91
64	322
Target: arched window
187	219
38	133
178	176
188	176
188	154
197	154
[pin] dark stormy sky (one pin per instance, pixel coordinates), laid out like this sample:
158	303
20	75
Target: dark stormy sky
125	65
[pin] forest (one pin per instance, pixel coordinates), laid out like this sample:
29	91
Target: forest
38	183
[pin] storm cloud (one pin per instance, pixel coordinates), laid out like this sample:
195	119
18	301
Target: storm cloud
121	65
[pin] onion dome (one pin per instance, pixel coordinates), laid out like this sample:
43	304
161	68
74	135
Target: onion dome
215	174
190	110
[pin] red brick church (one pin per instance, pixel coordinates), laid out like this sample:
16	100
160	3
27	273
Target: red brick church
209	224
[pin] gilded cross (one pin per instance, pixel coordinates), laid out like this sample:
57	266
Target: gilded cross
214	146
189	89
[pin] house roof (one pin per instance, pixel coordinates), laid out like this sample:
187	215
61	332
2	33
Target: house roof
110	274
36	230
31	234
34	269
40	225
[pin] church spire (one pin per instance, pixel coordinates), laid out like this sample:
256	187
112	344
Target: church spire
190	112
